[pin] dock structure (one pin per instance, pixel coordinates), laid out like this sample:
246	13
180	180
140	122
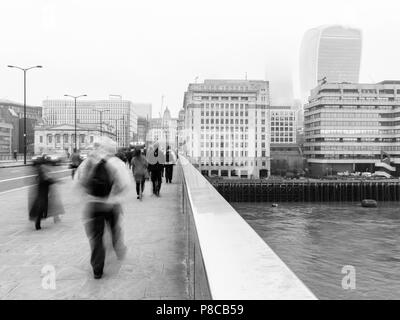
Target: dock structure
313	191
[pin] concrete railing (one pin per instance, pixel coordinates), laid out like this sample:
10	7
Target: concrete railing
227	259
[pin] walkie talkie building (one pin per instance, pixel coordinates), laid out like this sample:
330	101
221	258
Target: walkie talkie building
332	52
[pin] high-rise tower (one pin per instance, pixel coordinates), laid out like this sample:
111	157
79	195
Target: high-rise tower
332	52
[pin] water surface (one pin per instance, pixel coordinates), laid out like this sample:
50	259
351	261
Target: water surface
317	240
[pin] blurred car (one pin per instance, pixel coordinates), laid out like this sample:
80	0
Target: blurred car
38	158
83	156
56	159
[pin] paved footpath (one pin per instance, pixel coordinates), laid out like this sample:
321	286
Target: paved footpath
10	164
154	267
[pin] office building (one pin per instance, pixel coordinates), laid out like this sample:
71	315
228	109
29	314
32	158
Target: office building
6	130
181	130
285	153
114	112
143	129
227	127
332	52
13	113
143	110
348	127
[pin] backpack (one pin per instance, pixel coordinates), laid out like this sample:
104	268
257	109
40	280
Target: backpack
100	182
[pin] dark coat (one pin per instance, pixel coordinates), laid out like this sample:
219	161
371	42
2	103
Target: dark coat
44	200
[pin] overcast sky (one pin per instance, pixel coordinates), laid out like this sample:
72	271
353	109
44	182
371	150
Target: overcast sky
144	49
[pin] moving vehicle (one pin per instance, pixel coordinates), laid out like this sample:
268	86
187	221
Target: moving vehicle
56	158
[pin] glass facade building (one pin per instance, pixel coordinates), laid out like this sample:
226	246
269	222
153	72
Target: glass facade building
349	126
333	52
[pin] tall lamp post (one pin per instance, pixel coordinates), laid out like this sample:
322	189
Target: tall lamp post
24	70
75	97
101	118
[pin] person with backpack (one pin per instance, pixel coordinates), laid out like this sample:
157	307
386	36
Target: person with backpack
75	161
169	164
156	159
139	170
106	180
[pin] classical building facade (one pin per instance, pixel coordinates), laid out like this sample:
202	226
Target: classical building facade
113	112
348	127
61	138
227	127
331	51
164	130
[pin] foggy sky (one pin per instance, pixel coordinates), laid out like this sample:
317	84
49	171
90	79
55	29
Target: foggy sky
144	49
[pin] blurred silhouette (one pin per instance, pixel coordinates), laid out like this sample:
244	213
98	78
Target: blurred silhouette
139	170
121	154
170	161
75	161
44	199
105	179
156	160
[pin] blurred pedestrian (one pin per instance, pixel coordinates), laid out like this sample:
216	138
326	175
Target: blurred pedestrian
139	170
169	164
75	161
105	179
122	155
156	160
44	201
15	155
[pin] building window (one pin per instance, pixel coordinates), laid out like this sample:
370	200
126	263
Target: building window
41	139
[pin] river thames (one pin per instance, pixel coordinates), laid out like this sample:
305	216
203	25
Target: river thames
316	240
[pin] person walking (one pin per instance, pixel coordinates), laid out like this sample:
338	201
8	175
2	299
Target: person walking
75	161
43	205
106	180
156	160
15	155
139	170
169	164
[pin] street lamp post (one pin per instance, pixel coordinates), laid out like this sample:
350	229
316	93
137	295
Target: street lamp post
75	97
101	119
24	70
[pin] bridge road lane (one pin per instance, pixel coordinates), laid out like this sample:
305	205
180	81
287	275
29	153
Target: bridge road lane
154	267
18	177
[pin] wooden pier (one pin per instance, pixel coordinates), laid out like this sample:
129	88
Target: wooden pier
322	191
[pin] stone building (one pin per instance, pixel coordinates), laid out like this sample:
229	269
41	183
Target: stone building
61	138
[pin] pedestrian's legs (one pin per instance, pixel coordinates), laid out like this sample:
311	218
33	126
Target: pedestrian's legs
159	181
138	188
113	220
153	181
94	230
37	221
142	184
